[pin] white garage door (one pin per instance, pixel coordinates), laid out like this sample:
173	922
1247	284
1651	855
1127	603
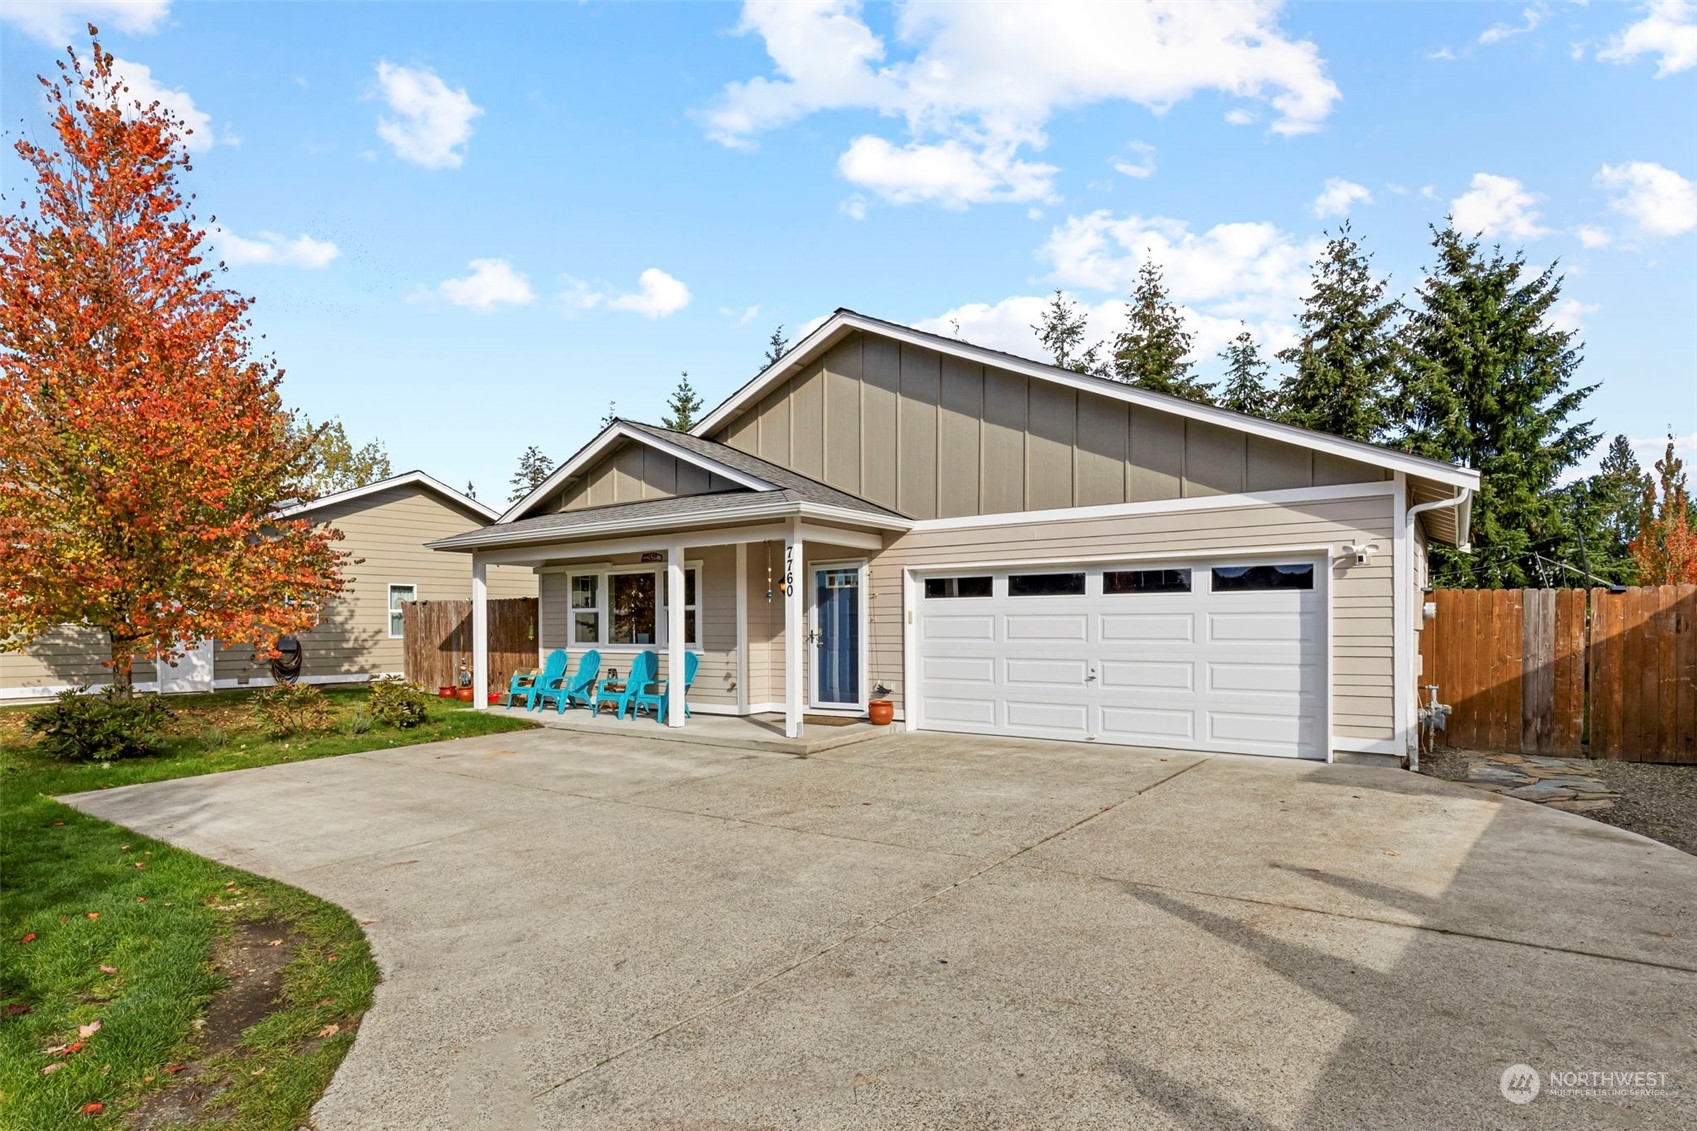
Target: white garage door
1226	656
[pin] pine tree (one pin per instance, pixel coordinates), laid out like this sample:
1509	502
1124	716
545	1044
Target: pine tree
776	346
1245	388
534	468
683	408
470	490
1666	546
1603	513
1062	333
1153	351
1488	385
1346	363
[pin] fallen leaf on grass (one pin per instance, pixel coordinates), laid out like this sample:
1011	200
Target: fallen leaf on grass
329	1030
94	914
143	899
105	969
139	864
123	848
16	1009
173	1069
29	938
90	1029
330	958
58	822
93	1109
275	942
52	1068
257	1072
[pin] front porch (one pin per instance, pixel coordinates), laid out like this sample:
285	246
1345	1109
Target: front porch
763	732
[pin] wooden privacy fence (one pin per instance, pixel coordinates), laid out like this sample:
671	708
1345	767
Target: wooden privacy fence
438	640
1566	671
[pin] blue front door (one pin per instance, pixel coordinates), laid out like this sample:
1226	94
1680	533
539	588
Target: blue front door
836	600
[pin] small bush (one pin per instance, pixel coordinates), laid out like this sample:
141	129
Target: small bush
397	703
289	709
100	728
211	738
355	724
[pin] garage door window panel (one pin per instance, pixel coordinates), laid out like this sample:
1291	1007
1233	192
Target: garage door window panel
1046	585
1258	578
948	588
1116	582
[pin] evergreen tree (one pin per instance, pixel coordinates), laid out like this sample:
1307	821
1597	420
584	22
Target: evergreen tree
776	346
1603	514
612	414
470	491
1245	388
336	464
684	407
1488	385
1346	363
1062	333
534	468
1153	351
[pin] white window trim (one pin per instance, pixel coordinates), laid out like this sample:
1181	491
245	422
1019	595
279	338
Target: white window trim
389	610
603	592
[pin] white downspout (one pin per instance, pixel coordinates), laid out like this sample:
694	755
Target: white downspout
1405	658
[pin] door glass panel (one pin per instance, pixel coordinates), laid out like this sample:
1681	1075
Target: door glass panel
837	609
1232	579
1046	585
1117	581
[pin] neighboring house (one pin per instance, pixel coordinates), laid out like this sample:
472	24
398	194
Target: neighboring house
1000	547
384	526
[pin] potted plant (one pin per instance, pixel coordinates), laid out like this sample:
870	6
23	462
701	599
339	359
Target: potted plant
880	710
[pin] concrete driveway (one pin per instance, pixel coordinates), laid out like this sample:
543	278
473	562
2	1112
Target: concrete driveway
944	932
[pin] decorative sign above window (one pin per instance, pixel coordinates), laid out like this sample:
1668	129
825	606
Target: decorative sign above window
653	556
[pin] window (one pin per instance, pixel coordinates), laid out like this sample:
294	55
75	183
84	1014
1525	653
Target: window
943	587
1046	585
586	608
1146	581
627	607
399	595
1229	579
630	608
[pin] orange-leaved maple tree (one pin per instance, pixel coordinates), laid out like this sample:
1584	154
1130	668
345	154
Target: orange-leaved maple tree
1666	546
145	453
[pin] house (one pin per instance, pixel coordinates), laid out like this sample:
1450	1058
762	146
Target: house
997	546
384	527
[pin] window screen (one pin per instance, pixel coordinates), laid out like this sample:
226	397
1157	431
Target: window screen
1146	581
1046	585
1228	579
936	587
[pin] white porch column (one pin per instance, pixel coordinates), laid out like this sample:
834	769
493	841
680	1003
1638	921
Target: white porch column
742	628
795	630
479	633
675	635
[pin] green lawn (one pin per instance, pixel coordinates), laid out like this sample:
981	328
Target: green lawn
125	926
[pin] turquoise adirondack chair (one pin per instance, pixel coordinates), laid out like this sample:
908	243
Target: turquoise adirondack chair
568	691
644	667
529	685
659	700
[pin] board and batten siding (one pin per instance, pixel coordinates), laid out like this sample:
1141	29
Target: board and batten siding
934	436
630	473
386	533
1361	595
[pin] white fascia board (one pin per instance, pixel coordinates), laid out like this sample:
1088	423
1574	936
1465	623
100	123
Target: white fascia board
839	323
411	478
616	431
1295	496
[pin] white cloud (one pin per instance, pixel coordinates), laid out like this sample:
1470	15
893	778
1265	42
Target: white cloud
1496	33
967	121
658	295
743	317
1236	270
854	207
1241	116
1497	206
1570	314
1668	29
433	120
492	283
145	90
59	22
1593	237
1338	196
1657	199
948	173
273	249
1141	162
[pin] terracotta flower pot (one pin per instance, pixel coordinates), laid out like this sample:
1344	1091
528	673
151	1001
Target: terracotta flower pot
446	691
881	712
463	694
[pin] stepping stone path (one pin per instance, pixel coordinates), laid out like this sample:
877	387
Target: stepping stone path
1560	783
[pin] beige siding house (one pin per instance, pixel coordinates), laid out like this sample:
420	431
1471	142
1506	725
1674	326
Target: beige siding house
997	546
384	527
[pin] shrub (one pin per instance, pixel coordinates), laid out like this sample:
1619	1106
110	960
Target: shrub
292	708
397	703
212	738
100	728
355	724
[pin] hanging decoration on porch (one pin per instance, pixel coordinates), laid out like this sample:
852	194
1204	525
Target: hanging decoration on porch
768	546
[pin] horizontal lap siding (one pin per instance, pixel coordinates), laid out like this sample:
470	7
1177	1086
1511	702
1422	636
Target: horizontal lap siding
1361	595
65	656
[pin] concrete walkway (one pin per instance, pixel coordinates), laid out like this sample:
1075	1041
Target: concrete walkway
584	931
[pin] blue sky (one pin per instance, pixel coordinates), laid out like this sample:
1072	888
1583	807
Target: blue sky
469	227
